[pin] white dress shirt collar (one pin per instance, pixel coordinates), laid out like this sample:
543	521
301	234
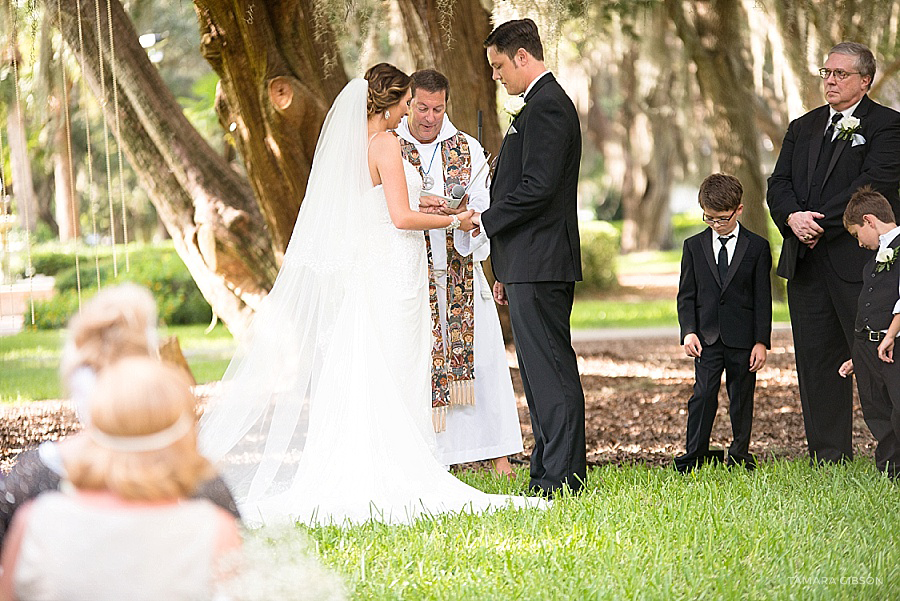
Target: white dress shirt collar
534	81
885	239
847	112
729	246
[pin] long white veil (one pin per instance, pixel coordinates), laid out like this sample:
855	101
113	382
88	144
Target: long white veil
256	427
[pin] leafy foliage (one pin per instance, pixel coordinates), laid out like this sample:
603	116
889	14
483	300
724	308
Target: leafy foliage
158	268
599	249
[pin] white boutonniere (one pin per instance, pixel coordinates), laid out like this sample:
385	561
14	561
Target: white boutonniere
847	127
514	105
885	258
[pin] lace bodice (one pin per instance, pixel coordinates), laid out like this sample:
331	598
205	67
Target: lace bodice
413	189
393	255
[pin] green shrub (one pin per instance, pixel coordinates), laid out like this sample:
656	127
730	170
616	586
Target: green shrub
158	268
48	262
685	225
599	249
55	312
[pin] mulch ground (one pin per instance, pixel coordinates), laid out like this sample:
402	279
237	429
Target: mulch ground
636	394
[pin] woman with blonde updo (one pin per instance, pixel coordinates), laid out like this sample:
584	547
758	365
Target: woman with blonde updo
325	412
128	528
117	323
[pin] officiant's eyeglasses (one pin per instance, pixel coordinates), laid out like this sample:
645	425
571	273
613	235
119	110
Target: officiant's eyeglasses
718	220
839	74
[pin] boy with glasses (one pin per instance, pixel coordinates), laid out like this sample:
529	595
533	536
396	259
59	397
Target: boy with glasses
725	314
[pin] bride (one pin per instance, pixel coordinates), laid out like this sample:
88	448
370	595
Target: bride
325	411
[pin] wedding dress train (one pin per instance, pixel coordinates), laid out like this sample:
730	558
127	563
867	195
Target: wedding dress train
343	431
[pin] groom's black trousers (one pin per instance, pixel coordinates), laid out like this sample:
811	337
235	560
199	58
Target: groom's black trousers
540	312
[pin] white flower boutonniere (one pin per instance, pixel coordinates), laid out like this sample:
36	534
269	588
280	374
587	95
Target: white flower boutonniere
514	105
847	127
885	258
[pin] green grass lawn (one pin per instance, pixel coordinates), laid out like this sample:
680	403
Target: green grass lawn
616	313
785	531
30	359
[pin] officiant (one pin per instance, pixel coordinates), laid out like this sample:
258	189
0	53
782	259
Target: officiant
473	403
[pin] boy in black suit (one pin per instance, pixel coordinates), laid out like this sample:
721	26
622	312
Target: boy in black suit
870	219
725	314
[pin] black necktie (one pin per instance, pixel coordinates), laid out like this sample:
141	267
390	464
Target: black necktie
829	131
723	257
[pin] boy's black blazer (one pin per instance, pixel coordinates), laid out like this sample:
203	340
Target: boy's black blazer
533	220
738	311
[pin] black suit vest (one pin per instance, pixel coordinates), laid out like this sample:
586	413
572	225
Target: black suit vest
879	294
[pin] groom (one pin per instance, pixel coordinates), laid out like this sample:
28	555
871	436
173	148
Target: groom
533	228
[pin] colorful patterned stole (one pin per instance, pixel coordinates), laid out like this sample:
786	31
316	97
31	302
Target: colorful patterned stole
452	360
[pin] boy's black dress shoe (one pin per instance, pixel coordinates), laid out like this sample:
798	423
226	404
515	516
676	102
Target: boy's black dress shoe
747	461
685	464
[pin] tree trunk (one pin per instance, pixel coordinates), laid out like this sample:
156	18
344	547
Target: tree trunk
715	41
66	206
279	73
651	138
22	180
461	58
208	210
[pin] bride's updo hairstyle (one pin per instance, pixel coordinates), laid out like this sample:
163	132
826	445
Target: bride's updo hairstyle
387	85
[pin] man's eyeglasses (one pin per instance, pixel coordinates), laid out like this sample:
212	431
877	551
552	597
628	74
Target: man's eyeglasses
839	74
718	220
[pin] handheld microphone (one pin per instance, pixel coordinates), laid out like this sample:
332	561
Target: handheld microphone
458	191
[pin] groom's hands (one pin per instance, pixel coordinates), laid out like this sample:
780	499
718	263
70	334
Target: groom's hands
500	294
476	220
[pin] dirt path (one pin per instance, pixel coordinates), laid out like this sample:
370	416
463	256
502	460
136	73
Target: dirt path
636	393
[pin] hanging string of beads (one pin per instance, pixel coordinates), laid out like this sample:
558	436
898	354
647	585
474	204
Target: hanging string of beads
69	165
115	82
92	200
103	102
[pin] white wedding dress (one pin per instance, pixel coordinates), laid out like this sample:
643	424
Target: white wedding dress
342	430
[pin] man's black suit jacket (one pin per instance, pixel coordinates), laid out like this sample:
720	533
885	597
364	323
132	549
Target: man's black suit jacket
532	221
876	162
738	311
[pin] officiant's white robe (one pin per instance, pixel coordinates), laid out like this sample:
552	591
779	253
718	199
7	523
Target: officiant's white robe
490	428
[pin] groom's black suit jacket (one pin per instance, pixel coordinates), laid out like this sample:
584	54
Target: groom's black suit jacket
876	162
532	221
737	311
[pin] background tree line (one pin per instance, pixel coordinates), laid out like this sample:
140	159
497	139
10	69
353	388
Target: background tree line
215	122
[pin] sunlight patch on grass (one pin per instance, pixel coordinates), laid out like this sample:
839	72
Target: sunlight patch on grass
784	531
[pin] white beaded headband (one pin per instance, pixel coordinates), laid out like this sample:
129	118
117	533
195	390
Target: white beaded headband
144	442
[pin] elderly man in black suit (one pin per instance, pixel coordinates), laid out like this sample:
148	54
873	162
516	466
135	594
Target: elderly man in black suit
533	227
828	154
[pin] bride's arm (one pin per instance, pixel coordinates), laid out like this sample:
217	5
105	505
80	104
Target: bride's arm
384	152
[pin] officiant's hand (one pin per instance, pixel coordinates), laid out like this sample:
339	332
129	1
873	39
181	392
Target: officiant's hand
432	205
460	208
